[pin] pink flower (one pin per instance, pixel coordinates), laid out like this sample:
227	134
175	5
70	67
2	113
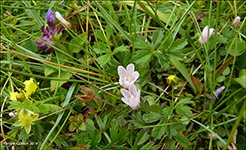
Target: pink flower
236	21
204	36
127	76
131	97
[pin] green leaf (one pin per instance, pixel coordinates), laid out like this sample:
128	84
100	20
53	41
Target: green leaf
28	128
241	80
235	46
162	59
149	146
152	117
142	137
49	70
183	71
102	60
167	111
122	48
99	34
76	43
222	39
30	44
82	126
63	75
157	38
178	44
167	40
185	110
158	131
169	143
142	56
182	140
176	54
171	131
185	101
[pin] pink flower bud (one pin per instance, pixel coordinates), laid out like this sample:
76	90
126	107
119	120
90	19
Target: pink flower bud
204	36
11	114
236	21
59	17
213	136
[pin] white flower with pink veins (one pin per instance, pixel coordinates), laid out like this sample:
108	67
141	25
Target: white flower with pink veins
127	76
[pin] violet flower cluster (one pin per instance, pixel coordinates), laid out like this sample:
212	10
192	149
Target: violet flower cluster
48	33
127	78
217	92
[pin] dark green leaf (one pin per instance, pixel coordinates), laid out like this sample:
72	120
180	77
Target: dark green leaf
149	146
235	46
122	48
102	60
152	117
185	101
185	110
157	38
162	59
142	56
178	44
182	140
142	137
176	54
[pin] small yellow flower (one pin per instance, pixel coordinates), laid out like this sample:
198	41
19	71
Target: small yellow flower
172	80
30	86
14	96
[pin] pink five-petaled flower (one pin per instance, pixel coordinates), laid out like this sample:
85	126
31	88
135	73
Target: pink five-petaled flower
127	76
131	97
236	21
204	36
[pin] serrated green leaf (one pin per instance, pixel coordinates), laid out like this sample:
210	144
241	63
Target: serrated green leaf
176	54
142	56
167	111
102	60
152	117
149	146
157	38
157	132
99	34
76	43
185	101
122	48
182	140
162	59
178	44
185	110
142	137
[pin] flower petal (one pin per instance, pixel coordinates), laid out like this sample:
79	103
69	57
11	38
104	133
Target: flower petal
133	90
135	76
130	70
122	71
126	93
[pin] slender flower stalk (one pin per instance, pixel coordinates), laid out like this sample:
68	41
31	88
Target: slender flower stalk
127	76
131	97
236	21
205	34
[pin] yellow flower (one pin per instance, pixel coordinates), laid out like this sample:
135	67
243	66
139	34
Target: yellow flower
172	80
14	96
30	86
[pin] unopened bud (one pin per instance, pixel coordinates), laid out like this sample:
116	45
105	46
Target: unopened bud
205	34
213	136
172	80
236	21
59	17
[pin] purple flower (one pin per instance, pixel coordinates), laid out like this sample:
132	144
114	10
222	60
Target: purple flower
48	33
50	16
236	21
131	97
127	76
217	93
204	36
